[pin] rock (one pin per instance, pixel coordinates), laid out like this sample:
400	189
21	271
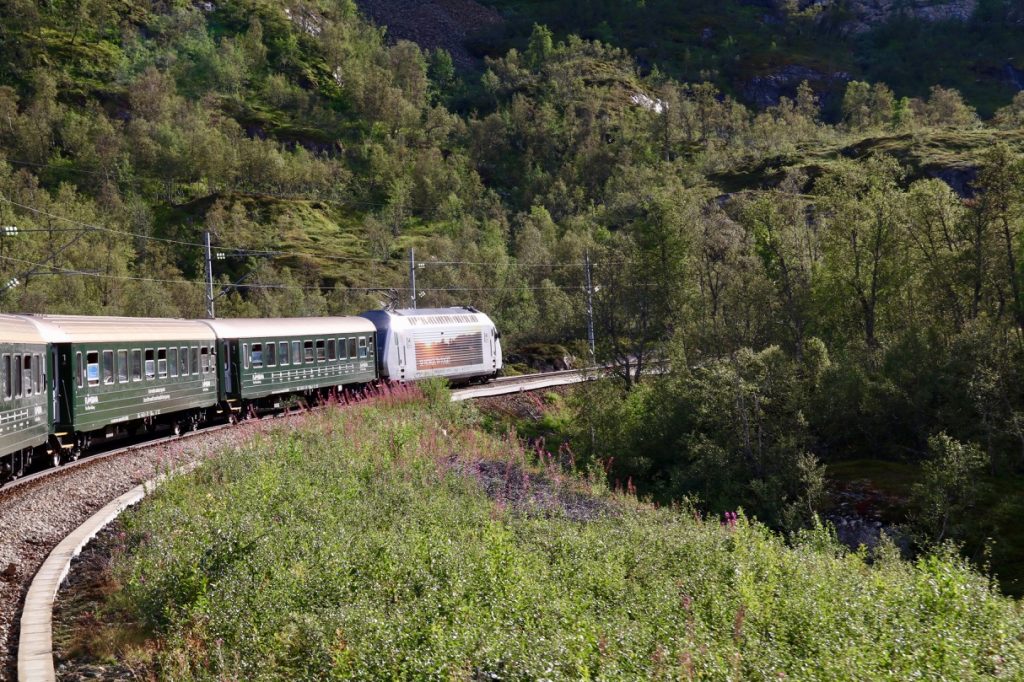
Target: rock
766	90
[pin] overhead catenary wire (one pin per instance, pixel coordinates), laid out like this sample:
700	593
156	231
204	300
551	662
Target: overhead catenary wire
247	251
53	269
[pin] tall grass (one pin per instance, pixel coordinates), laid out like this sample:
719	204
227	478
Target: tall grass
379	542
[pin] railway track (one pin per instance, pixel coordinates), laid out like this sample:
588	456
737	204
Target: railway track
40	510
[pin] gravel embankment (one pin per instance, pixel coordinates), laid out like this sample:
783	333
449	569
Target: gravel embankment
36	517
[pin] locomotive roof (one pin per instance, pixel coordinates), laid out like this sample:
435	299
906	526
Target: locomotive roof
240	328
16	329
90	329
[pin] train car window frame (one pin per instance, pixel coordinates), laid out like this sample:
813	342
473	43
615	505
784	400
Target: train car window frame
204	359
352	353
332	350
40	372
342	349
136	365
149	364
92	367
256	356
172	362
108	368
362	347
296	352
282	353
321	350
79	370
26	375
122	366
183	359
161	363
17	375
371	344
5	370
194	361
245	356
308	354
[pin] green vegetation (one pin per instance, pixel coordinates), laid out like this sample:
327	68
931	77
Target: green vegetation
386	541
838	276
732	42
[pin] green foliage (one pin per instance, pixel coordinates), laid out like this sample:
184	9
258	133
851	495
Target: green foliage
361	547
950	489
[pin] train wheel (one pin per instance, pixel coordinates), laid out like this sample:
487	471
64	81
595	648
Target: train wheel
54	457
17	465
176	428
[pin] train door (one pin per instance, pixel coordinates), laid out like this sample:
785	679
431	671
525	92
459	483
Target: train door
229	380
54	386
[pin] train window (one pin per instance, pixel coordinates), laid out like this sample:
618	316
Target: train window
122	367
372	344
362	346
37	369
172	361
5	368
282	352
195	360
245	356
296	352
321	353
257	355
161	363
150	364
307	351
184	361
332	349
27	375
204	359
341	349
108	367
352	348
271	354
80	369
92	368
136	364
17	376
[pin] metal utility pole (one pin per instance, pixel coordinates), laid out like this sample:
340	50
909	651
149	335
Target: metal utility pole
209	276
590	305
412	274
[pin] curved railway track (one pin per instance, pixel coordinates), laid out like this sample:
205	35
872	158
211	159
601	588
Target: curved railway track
39	510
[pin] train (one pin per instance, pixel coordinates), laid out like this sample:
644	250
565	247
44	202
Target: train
67	381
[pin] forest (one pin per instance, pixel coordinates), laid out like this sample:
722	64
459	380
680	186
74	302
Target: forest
826	287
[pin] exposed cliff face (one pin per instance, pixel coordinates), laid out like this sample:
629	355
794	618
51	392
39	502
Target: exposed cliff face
858	16
432	23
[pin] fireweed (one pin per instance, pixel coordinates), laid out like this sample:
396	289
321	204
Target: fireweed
385	541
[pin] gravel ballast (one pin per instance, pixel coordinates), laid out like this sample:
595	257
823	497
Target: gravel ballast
37	516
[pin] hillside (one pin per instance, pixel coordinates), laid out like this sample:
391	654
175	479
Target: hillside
832	275
394	541
759	50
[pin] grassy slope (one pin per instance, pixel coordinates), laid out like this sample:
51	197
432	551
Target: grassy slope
389	541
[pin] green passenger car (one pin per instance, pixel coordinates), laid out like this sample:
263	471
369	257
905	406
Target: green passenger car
24	409
120	374
261	359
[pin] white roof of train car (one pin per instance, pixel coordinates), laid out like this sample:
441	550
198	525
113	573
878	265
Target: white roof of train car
89	329
426	318
16	329
245	328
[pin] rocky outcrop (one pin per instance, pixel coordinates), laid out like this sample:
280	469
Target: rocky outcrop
862	15
766	89
433	23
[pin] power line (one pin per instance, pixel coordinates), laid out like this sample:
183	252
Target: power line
102	275
245	251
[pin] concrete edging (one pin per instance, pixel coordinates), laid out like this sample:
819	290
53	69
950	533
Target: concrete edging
35	643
